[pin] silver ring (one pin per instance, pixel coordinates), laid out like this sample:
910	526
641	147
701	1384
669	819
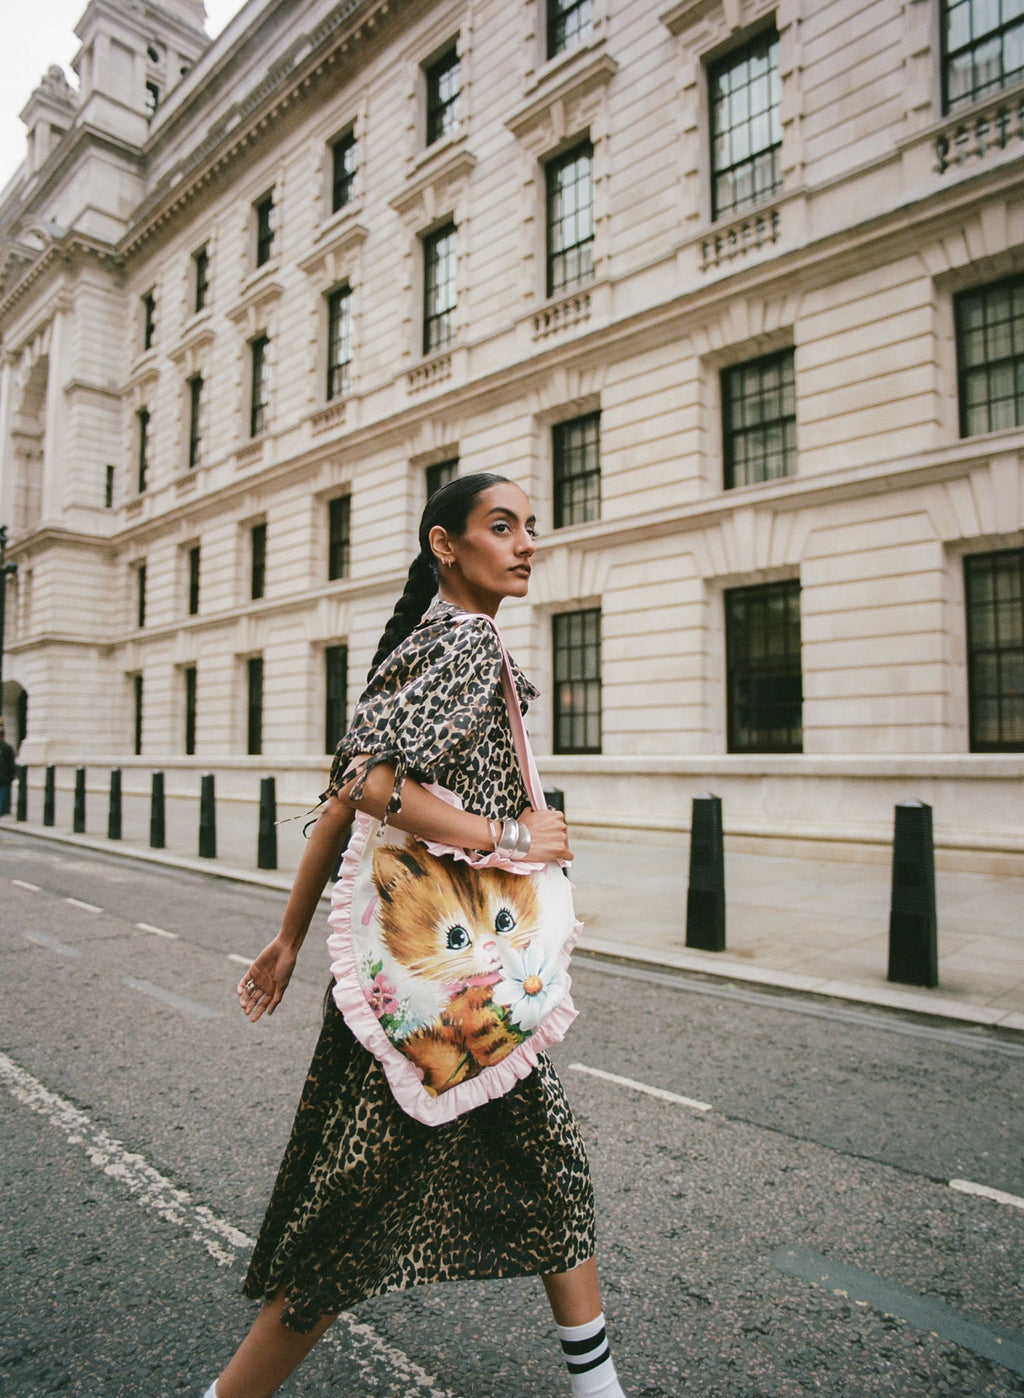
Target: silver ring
250	986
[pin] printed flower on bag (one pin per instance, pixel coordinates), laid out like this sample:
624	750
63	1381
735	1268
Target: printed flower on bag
382	996
531	986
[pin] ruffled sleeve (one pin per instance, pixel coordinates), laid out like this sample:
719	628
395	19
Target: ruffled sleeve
425	705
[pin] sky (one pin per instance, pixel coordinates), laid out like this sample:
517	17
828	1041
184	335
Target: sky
40	32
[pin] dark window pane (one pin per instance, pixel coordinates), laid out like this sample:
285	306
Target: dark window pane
440	474
576	638
195	408
137	714
994	595
440	265
265	229
569	23
983	45
763	671
336	712
140	595
255	706
148	320
576	460
343	171
990	354
193	580
258	577
142	419
759	420
201	275
442	96
746	132
570	221
190	709
339	542
339	342
260	391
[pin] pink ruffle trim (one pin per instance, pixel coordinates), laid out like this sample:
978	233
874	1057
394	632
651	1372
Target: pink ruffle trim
403	1076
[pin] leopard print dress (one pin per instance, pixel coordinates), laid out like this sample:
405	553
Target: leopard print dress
368	1200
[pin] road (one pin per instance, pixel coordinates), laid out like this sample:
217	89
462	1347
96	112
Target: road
773	1172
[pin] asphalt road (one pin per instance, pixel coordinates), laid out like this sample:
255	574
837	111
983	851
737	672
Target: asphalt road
778	1221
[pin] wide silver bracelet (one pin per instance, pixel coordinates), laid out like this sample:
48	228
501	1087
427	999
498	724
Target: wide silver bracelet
509	839
523	842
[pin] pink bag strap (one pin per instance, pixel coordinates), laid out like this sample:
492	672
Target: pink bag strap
527	762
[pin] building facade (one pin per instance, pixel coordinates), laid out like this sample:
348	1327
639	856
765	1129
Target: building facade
734	289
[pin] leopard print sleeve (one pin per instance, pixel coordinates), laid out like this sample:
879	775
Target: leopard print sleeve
424	705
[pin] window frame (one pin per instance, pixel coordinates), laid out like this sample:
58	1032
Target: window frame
255	677
561	477
335	693
339	337
997	650
442	321
142	420
1013	364
746	670
264	214
193	566
339	537
728	62
448	468
343	179
140	595
976	94
258	561
557	12
138	693
582	247
190	683
731	434
148	320
565	710
195	386
441	112
200	278
259	383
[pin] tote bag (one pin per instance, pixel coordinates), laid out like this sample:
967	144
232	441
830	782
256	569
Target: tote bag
452	968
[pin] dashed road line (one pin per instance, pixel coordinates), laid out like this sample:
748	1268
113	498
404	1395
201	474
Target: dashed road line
377	1357
241	960
41	939
985	1191
888	1298
168	997
157	931
21	883
660	1092
89	907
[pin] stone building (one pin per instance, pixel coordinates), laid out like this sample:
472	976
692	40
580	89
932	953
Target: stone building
734	288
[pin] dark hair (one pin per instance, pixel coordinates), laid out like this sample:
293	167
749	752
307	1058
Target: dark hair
448	507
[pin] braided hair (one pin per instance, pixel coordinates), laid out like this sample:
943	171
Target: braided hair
448	507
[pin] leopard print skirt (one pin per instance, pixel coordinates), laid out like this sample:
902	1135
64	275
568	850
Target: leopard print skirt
368	1200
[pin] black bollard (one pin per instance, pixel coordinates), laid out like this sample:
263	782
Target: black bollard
913	923
157	811
114	812
207	819
78	819
266	846
49	795
555	798
705	897
22	808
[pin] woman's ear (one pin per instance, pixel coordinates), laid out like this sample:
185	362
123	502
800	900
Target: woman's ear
440	545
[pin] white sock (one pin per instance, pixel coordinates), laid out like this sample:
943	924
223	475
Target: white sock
589	1360
211	1392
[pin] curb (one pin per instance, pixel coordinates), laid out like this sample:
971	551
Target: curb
712	964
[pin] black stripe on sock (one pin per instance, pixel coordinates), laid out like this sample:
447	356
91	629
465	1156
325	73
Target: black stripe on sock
576	1367
584	1346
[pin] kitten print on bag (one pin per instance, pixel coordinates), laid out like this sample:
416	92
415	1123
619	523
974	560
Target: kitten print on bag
449	940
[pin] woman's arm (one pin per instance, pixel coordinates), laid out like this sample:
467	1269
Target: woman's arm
272	969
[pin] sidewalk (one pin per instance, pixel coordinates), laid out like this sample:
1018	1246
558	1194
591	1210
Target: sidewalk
805	924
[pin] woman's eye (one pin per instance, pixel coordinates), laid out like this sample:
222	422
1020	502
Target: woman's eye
504	922
458	939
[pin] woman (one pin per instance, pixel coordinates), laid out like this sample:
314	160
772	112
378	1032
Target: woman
367	1199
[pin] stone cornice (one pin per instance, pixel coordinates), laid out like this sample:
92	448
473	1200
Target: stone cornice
58	254
306	63
575	84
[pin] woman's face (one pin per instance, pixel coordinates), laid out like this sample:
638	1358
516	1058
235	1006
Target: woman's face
494	557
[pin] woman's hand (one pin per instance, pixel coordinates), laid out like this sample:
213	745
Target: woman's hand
549	839
261	988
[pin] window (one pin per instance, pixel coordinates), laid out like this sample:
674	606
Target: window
140	594
142	428
193	580
994	590
442	95
983	45
108	488
343	171
189	680
759	420
335	711
577	674
265	229
260	390
195	410
569	23
339	342
763	675
746	133
148	320
258	571
440	264
254	676
570	220
137	715
152	100
576	461
200	278
439	474
339	537
990	357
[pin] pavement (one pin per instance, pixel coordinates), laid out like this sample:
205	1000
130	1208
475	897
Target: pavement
812	925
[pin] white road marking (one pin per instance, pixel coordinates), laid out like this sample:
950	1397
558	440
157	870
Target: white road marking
89	907
643	1087
157	931
241	960
51	943
32	887
154	1193
168	997
987	1192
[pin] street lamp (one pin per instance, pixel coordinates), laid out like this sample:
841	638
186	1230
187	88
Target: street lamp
7	570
